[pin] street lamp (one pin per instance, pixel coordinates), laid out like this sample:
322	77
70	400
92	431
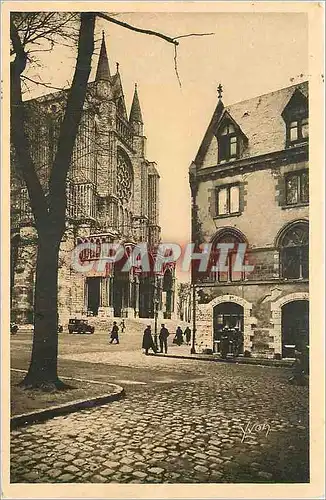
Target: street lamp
193	349
156	304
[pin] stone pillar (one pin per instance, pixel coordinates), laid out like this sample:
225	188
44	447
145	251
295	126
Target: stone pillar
105	309
204	328
129	310
247	344
173	302
85	296
277	330
136	296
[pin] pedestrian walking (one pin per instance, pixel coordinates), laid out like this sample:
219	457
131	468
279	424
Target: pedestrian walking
122	326
114	333
148	342
163	338
179	336
187	334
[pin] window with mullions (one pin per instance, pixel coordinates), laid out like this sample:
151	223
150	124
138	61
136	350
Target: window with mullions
228	199
297	130
294	252
228	272
227	143
297	187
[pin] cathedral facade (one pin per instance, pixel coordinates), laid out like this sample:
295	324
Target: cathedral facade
112	197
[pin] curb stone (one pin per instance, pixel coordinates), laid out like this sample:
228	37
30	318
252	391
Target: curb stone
71	407
244	361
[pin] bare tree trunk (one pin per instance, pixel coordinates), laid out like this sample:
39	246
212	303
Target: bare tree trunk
49	214
43	366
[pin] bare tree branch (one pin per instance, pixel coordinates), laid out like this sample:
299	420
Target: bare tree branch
18	134
47	85
176	65
193	34
134	28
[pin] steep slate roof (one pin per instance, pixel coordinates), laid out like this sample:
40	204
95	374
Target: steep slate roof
260	119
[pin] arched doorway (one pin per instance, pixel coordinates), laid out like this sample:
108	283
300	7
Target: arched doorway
295	326
228	317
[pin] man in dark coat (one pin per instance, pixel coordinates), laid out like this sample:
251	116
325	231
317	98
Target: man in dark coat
114	333
148	342
187	334
225	343
163	337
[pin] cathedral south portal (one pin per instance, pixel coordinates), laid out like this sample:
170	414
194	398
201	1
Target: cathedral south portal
112	197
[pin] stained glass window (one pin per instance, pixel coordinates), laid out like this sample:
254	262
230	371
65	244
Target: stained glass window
124	179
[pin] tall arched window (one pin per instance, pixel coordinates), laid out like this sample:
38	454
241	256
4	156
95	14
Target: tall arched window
228	271
124	177
294	252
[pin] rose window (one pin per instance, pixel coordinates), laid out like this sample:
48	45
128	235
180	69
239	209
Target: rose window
124	179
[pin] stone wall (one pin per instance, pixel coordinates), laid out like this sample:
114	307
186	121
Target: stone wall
263	215
262	313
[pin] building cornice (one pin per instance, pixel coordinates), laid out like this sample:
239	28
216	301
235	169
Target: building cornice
243	165
276	281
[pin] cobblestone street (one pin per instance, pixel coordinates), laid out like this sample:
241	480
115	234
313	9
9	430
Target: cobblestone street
177	432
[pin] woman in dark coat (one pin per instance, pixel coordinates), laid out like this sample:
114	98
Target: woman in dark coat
148	342
179	336
187	333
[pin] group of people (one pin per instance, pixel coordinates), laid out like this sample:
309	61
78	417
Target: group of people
230	341
148	342
181	336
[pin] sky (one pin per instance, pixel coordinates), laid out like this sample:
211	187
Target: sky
249	54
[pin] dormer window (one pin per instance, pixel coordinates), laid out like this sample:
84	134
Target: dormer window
227	143
295	115
298	130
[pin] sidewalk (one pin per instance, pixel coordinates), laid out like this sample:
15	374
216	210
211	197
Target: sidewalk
183	352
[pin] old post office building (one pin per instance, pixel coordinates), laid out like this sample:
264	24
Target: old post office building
250	184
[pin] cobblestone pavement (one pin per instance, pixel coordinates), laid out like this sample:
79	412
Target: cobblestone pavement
185	432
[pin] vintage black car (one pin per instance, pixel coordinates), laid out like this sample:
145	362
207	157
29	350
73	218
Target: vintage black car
80	326
13	328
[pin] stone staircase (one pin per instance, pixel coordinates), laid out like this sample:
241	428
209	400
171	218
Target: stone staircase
136	324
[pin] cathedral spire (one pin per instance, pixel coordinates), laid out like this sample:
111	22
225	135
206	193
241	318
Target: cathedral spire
103	69
135	112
